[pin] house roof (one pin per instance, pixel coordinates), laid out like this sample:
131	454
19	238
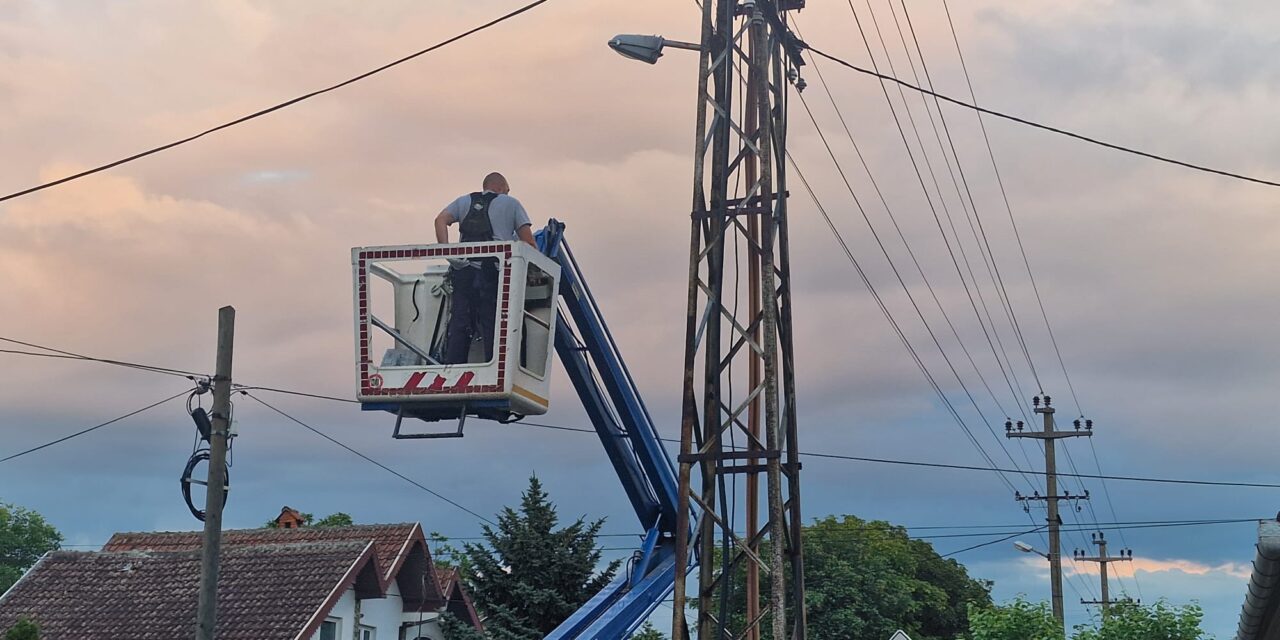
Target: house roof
267	592
389	540
457	599
401	549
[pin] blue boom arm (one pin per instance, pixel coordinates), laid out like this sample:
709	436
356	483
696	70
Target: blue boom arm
609	395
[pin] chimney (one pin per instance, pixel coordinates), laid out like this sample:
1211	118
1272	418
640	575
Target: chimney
289	519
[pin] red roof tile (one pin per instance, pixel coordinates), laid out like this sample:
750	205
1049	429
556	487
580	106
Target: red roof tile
267	592
389	540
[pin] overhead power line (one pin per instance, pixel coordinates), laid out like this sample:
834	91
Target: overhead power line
367	458
93	428
244	389
282	105
964	467
1045	127
70	355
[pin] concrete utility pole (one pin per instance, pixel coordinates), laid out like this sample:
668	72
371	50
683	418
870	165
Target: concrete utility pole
215	490
1103	560
1051	497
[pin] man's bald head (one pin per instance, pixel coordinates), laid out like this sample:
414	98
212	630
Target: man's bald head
496	183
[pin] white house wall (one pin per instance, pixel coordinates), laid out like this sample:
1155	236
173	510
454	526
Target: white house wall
383	614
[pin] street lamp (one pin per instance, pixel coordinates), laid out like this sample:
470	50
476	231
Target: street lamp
1026	548
646	48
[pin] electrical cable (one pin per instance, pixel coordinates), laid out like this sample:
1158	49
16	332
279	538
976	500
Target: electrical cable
1026	260
1045	127
962	467
894	323
282	105
989	253
919	312
69	355
891	461
942	200
94	428
916	262
992	542
365	457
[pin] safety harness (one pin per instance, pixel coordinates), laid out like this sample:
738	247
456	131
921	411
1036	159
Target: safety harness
476	226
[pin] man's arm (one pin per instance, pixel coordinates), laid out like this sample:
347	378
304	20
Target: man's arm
443	220
525	232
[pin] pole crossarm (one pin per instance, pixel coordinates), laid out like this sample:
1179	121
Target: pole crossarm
1103	560
1050	435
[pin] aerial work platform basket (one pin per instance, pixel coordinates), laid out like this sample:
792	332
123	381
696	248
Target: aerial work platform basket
401	365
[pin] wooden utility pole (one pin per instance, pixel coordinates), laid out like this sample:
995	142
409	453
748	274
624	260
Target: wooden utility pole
1050	436
1103	560
215	490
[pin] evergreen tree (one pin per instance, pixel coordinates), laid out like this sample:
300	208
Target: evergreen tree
455	629
530	575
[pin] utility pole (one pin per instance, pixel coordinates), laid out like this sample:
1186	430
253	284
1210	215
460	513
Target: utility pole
1050	436
215	490
740	201
1126	555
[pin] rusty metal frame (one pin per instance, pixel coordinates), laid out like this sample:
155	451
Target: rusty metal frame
751	38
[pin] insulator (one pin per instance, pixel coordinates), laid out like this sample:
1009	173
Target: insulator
1020	425
1088	424
1047	400
1008	425
1035	402
1077	424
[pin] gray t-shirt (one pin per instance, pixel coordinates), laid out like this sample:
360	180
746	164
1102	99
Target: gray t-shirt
506	215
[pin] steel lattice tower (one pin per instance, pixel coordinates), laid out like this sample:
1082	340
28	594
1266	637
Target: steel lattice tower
740	203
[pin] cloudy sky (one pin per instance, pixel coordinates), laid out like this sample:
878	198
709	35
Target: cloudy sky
1158	281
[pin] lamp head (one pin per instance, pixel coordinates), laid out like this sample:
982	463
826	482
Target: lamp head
636	47
1023	547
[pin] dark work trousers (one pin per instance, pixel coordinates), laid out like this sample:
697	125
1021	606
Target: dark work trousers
475	308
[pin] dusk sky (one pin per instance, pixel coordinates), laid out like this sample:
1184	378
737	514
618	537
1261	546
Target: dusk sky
1160	282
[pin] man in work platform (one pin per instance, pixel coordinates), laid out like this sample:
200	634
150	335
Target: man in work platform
483	216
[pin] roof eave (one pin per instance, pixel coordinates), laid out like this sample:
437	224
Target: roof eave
1262	600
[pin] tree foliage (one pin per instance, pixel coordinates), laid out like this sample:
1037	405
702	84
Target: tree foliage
24	629
648	632
867	579
1017	620
530	575
338	519
455	629
24	537
1020	620
1132	621
445	555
